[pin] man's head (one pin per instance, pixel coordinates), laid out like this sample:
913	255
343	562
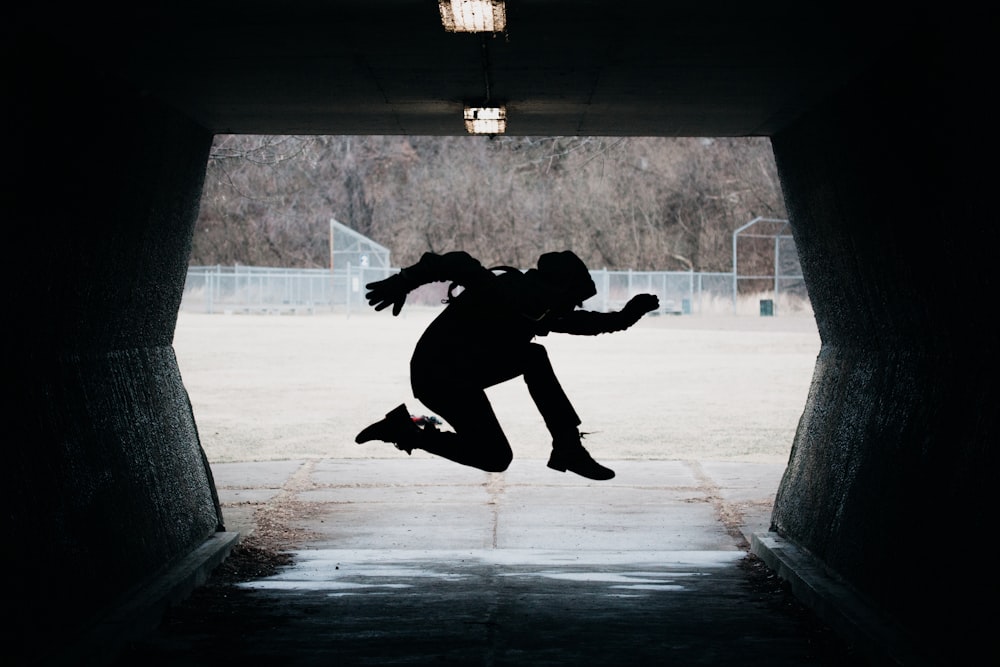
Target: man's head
567	276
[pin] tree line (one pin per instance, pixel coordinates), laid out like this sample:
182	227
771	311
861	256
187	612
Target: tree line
644	203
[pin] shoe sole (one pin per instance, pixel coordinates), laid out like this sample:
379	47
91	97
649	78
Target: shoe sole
562	468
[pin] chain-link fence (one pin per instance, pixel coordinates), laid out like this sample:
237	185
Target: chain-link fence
254	289
770	276
248	289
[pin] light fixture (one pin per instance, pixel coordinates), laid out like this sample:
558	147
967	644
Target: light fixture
480	16
473	15
486	120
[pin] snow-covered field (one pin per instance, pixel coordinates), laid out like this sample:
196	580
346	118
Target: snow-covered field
711	387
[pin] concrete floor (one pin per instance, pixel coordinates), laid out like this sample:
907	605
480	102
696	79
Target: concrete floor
418	561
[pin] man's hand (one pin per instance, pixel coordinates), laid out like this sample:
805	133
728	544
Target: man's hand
641	304
389	292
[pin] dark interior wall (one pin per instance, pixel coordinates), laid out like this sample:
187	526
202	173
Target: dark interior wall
896	240
105	483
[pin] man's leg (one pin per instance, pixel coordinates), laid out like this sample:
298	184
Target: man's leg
549	397
560	417
478	439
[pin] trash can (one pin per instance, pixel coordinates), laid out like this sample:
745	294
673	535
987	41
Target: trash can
766	307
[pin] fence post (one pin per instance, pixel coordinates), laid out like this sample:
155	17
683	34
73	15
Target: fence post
347	291
606	281
210	290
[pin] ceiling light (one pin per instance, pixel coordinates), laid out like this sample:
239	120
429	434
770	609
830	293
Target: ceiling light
486	120
473	15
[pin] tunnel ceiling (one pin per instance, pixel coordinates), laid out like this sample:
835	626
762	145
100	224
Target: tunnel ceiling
563	67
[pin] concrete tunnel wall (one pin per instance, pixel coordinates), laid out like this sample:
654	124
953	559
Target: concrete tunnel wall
106	483
894	447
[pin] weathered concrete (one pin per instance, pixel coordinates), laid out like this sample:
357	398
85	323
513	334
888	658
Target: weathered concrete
421	561
105	483
897	435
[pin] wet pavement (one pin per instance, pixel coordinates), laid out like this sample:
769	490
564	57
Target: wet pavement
419	561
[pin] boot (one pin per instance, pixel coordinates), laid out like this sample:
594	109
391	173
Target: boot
569	454
398	428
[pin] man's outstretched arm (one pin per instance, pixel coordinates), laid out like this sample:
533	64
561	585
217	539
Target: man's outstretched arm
590	323
457	266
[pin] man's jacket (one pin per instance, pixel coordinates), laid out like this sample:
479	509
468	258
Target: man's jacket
503	307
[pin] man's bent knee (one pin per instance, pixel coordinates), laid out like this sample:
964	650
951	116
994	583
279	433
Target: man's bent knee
497	462
494	457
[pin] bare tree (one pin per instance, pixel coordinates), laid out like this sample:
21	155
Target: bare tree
642	203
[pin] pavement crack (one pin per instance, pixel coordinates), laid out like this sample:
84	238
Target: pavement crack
495	487
730	515
274	529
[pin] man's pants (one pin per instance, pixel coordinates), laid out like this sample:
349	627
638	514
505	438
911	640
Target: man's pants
454	389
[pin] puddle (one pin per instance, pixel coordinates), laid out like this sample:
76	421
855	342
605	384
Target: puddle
353	572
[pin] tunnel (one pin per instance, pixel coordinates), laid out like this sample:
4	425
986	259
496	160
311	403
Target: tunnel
878	125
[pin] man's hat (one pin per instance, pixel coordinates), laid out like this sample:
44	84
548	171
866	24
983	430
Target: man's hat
567	273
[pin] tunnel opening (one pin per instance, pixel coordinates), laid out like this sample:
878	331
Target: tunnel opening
723	384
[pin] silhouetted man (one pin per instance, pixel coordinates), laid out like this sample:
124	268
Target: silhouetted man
484	337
